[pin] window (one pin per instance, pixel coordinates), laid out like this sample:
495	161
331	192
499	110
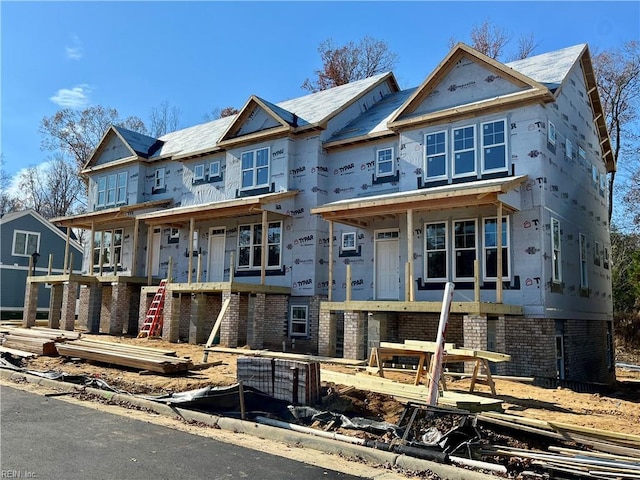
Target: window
436	157
436	262
595	177
494	147
551	134
491	248
569	149
605	258
255	168
159	179
214	169
299	323
198	172
250	245
603	184
25	243
582	155
112	189
596	254
584	278
464	151
194	242
174	236
107	248
384	162
349	241
464	243
555	246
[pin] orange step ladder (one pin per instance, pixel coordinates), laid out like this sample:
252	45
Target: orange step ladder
152	326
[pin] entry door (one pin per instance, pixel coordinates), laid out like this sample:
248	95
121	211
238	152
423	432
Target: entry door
155	252
215	269
386	265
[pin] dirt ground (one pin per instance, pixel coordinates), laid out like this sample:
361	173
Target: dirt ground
618	411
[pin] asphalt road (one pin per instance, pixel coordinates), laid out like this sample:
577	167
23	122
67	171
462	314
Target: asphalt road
49	439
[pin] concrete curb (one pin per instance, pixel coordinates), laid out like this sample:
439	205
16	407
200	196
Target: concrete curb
349	451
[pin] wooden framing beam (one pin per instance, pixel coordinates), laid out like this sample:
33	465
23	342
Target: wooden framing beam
263	253
134	255
499	255
192	225
149	253
409	286
475	308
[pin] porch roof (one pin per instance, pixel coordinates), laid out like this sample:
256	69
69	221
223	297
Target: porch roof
214	210
360	212
116	216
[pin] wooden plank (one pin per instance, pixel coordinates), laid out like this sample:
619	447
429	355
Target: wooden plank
17	353
427	346
38	346
291	356
152	350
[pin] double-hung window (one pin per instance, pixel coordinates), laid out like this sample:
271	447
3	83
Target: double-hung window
214	169
25	243
494	146
557	253
436	261
384	162
299	321
464	151
569	149
112	189
596	254
464	244
250	245
491	248
436	155
198	172
584	277
121	194
551	134
102	192
255	168
159	179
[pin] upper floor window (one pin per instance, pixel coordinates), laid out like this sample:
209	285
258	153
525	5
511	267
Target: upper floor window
603	184
25	243
464	151
436	153
596	254
198	172
384	162
491	248
299	321
436	241
159	178
569	149
349	241
250	245
556	249
551	134
255	168
214	169
582	155
494	146
112	189
595	177
584	277
464	245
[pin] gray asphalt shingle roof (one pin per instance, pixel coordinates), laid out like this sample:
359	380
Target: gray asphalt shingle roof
551	68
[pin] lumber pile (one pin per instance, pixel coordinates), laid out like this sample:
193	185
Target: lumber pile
40	341
142	358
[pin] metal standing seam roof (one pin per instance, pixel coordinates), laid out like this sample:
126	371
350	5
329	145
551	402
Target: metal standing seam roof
551	68
140	143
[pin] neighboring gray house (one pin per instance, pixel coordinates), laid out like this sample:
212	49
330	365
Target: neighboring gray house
332	221
21	234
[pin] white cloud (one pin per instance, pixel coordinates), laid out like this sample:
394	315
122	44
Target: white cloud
75	51
76	97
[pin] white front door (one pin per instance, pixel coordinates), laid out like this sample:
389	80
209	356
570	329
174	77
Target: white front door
386	265
155	252
215	269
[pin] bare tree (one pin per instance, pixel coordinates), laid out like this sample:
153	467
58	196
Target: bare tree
8	202
489	39
77	132
526	45
350	62
618	77
218	112
53	188
163	119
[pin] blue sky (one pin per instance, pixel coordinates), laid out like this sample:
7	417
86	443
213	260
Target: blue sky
201	55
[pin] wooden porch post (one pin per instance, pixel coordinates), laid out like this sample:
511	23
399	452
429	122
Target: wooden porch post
92	245
199	269
232	266
409	287
66	252
50	267
134	253
149	253
499	255
263	256
329	295
192	226
348	297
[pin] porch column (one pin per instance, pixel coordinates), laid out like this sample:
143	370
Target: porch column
30	304
330	292
354	324
119	308
192	226
376	329
94	306
171	317
499	255
134	252
327	334
197	318
91	247
263	256
105	307
409	288
474	331
256	339
69	296
66	253
230	321
55	305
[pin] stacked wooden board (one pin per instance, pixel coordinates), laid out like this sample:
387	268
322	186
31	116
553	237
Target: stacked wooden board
41	341
143	358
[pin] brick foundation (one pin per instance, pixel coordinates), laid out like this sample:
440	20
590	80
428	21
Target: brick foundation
30	304
68	308
55	305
